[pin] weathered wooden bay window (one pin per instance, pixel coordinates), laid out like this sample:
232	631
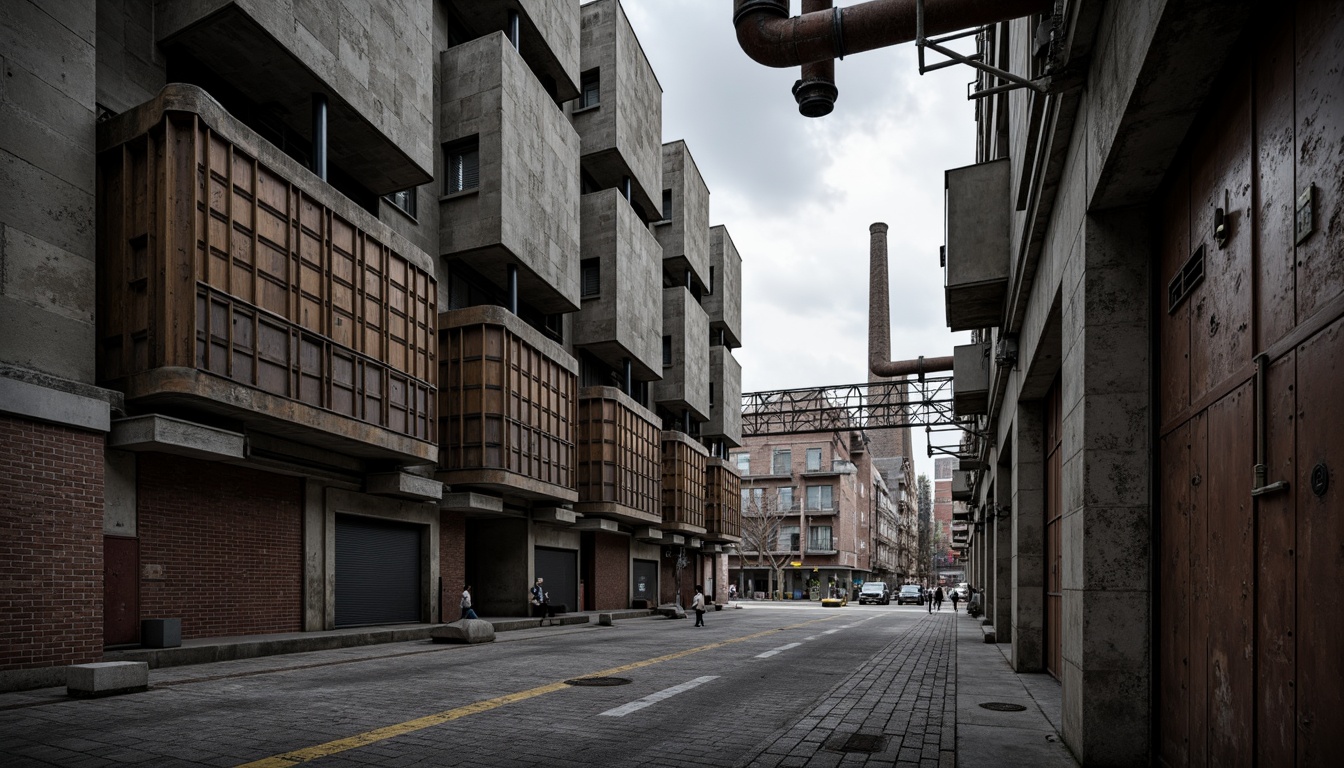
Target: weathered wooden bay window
723	502
683	483
234	281
619	461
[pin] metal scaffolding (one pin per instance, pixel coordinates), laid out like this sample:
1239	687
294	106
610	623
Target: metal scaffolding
916	402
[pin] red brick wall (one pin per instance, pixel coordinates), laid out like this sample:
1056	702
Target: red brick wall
453	562
611	570
51	545
228	541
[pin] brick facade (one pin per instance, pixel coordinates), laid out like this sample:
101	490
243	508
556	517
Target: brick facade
51	545
611	572
452	563
221	547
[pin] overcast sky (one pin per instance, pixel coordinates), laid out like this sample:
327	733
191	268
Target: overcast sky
798	194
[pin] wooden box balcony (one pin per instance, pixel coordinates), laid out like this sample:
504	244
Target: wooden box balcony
683	460
619	461
723	502
508	407
233	281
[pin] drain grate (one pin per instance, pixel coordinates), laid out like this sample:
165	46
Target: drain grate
1003	706
857	742
598	681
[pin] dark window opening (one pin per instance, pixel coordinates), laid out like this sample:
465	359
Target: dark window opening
667	350
590	90
590	278
403	200
462	165
709	291
667	205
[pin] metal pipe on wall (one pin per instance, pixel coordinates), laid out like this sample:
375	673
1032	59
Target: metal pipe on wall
815	91
320	135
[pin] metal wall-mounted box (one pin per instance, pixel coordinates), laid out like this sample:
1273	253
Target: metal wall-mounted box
962	482
979	212
970	379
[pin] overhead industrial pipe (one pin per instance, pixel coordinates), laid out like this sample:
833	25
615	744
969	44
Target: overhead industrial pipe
769	36
879	318
815	91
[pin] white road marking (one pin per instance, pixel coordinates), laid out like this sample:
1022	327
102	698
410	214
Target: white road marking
831	631
654	698
774	651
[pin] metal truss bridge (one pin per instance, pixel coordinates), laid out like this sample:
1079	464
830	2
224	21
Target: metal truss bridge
916	402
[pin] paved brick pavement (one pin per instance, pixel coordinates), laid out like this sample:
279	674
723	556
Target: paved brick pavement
899	709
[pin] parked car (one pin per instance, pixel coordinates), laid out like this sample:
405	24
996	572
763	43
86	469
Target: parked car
875	592
910	593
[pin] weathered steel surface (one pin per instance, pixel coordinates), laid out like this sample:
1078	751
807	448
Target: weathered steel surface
214	260
619	457
121	590
723	502
1275	149
509	403
1174	326
1230	578
874	405
1276	577
1197	644
1320	543
1174	608
1320	150
683	480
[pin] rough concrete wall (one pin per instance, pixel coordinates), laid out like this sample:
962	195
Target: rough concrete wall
375	55
528	201
558	26
639	110
130	67
597	50
47	293
51	547
725	414
686	380
686	236
631	284
221	547
724	303
1028	550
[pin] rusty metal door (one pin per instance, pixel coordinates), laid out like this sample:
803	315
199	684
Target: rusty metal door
121	590
1054	562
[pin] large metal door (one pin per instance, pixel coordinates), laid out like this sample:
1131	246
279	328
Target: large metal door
1251	343
121	590
1054	561
378	577
560	569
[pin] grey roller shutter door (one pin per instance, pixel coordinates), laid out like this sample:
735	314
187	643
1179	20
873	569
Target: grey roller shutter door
377	572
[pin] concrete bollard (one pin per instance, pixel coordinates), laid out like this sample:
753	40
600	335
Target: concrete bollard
106	678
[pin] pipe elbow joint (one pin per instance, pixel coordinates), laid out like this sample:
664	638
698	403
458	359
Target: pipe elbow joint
757	22
816	98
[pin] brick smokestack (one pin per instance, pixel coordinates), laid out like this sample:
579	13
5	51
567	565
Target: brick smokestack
879	308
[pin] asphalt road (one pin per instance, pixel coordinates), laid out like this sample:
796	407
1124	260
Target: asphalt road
685	696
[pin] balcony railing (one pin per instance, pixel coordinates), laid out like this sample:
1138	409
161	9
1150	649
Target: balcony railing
619	460
683	483
723	502
508	408
233	280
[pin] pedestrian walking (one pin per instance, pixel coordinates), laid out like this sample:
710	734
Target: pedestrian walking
928	599
938	598
955	597
541	601
698	605
732	592
467	612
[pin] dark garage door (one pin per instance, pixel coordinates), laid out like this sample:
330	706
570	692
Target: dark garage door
377	571
560	569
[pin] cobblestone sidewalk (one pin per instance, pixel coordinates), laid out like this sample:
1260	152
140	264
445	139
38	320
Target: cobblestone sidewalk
898	710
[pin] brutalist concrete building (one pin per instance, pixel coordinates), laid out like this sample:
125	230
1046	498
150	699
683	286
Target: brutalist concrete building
1149	251
313	313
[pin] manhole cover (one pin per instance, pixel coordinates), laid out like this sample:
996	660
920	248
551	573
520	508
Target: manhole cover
598	681
856	742
1003	706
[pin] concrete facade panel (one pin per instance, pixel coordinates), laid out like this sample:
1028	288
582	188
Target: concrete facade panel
685	237
723	301
617	322
725	412
685	381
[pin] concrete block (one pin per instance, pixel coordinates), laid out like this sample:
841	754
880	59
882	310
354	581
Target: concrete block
161	633
107	678
163	434
464	631
672	611
404	485
604	619
990	636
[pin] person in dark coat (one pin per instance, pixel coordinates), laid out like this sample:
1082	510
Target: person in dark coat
955	597
938	598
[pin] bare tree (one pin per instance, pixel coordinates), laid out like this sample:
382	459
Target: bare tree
762	516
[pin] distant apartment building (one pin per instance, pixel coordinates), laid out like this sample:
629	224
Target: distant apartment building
314	314
807	506
947	529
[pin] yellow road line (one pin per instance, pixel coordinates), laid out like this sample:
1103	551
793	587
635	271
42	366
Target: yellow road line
420	723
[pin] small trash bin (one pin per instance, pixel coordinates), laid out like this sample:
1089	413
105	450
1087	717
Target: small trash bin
161	633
